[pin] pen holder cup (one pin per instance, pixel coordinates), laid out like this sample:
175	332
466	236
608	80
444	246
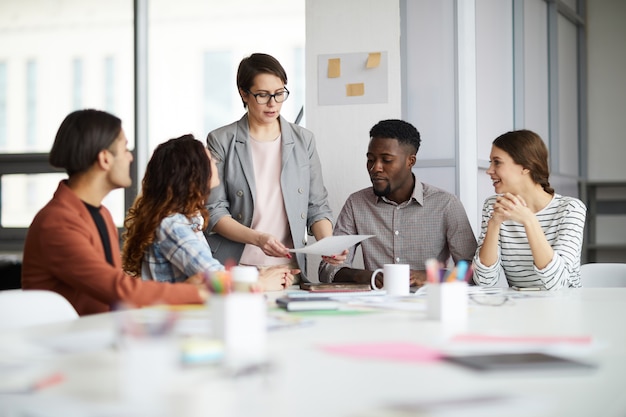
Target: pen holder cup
239	321
447	302
149	357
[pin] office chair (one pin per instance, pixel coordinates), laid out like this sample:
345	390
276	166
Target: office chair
20	308
599	275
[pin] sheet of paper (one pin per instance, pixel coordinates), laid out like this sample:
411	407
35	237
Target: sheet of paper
487	338
403	303
575	345
332	245
405	352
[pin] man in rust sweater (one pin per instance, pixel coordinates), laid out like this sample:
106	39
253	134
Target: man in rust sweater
72	245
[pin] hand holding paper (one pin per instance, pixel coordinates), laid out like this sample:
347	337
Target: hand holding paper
331	245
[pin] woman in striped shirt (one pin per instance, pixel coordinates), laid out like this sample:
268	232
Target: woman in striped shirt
533	234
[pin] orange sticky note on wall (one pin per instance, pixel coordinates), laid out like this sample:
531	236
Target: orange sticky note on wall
357	89
334	68
373	60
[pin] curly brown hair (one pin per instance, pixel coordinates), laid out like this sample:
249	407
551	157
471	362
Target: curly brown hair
176	181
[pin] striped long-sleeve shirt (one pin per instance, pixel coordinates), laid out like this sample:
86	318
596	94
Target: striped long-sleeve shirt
562	222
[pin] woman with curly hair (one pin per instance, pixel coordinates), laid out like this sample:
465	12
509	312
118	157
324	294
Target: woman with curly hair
164	238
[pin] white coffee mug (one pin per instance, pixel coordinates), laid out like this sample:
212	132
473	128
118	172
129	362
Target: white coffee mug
396	277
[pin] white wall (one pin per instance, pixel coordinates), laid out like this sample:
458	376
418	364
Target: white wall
606	68
342	131
484	98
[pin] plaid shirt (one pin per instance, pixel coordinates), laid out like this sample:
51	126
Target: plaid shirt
431	224
178	251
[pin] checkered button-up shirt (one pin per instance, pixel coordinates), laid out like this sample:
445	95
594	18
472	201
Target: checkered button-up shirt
431	224
178	251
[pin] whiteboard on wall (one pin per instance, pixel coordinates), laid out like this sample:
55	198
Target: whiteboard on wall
352	78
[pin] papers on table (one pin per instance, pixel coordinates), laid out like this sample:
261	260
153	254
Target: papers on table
331	245
569	345
395	351
346	295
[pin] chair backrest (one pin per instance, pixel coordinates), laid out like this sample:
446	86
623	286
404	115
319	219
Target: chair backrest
20	308
597	275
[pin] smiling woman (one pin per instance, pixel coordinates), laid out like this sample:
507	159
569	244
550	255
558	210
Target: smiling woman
529	231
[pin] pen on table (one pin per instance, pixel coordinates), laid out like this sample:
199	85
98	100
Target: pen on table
39	384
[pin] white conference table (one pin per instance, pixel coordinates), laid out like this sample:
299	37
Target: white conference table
306	380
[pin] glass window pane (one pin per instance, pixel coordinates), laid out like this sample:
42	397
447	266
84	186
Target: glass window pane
52	59
58	57
3	105
494	72
109	84
430	87
24	195
194	49
31	105
535	67
568	97
218	98
78	83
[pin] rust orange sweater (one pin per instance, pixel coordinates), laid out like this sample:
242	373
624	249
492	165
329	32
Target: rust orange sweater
63	252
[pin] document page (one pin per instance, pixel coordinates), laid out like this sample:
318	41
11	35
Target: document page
331	245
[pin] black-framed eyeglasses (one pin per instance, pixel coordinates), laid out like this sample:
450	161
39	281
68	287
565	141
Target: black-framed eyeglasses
264	98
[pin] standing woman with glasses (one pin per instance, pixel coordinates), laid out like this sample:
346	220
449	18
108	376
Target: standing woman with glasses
272	192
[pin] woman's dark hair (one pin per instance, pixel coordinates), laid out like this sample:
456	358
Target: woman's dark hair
81	137
176	181
257	64
527	149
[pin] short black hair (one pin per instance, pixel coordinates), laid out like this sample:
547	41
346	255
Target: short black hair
404	132
81	136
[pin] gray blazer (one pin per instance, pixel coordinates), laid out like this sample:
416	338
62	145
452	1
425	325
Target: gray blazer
306	198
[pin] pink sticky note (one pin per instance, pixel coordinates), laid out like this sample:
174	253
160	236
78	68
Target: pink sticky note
405	352
482	338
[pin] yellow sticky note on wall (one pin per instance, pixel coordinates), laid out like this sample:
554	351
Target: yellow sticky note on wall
357	89
334	68
373	60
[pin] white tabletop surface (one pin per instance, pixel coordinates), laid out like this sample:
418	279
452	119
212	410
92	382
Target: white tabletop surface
302	379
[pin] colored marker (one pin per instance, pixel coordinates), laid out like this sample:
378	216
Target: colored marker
461	269
432	271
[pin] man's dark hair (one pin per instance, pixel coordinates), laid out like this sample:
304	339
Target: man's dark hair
404	132
81	137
